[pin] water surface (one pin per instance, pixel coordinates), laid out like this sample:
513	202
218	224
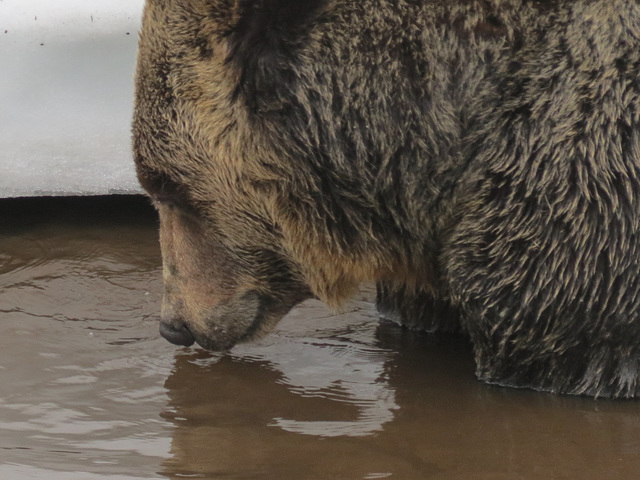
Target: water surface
89	391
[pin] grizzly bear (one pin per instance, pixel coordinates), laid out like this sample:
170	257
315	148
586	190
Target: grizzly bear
479	160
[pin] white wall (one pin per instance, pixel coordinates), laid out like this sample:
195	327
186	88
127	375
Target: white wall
66	96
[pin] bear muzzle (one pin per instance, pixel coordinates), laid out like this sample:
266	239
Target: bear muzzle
176	333
218	328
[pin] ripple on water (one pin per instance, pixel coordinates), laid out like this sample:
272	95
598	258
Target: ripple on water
338	364
88	386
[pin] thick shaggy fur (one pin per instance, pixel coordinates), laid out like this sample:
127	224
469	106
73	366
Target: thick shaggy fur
478	159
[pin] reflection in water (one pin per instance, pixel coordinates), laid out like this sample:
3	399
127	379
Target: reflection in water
417	412
333	358
281	405
89	391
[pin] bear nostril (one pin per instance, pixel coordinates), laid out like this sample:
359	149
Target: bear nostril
176	334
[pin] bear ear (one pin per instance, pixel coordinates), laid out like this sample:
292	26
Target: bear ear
266	36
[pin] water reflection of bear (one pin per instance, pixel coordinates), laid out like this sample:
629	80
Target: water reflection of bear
369	399
299	405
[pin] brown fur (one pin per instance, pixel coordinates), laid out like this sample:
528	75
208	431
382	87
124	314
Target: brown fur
478	159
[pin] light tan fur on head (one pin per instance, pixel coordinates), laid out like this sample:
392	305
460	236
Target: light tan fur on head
190	127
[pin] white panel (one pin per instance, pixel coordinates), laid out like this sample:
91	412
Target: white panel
66	96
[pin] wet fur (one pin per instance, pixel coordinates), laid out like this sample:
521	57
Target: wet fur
480	157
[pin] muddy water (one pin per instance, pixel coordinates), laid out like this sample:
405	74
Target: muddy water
89	391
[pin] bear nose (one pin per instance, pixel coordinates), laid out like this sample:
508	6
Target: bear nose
178	334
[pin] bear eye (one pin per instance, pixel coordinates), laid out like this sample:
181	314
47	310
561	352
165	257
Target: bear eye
163	190
171	199
159	185
165	200
175	202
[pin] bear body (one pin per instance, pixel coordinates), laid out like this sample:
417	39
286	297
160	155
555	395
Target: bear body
478	160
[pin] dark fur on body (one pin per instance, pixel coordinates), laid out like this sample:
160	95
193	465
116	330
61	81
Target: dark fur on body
476	159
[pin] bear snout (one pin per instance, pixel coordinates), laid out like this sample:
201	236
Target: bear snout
217	328
176	333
